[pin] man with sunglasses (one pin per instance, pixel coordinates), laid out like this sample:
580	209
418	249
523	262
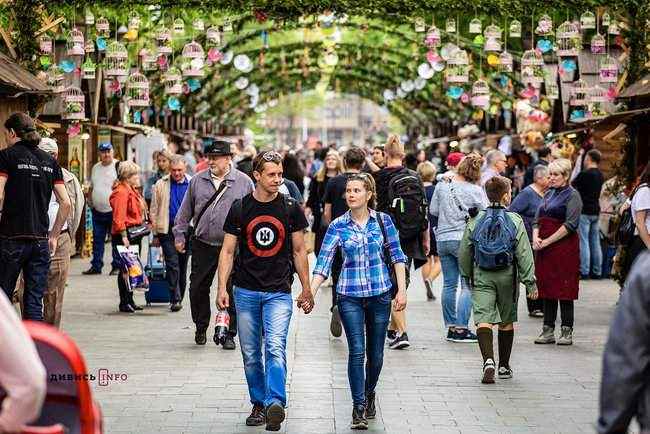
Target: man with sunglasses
267	230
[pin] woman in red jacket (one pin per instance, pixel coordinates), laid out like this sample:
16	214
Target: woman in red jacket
129	208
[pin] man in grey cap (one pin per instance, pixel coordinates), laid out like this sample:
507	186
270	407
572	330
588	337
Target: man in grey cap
207	202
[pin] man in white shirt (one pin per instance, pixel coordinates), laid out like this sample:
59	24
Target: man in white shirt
496	163
102	177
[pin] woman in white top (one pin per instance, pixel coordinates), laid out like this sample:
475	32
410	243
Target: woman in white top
641	216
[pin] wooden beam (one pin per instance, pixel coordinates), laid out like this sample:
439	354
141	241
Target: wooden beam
7	39
48	26
98	93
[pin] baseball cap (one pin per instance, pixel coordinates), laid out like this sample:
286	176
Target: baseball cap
454	159
105	146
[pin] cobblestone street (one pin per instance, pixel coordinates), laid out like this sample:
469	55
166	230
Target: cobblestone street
175	386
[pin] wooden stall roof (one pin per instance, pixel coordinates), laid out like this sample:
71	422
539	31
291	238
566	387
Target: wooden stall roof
640	88
14	79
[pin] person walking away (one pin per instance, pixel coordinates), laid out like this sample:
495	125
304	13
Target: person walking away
496	256
452	162
60	262
589	183
294	172
365	288
544	157
209	197
496	164
129	209
245	164
453	204
163	160
640	207
28	177
267	228
526	204
557	247
624	387
400	194
102	177
430	270
166	199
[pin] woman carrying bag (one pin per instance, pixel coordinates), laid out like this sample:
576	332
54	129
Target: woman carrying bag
366	287
129	209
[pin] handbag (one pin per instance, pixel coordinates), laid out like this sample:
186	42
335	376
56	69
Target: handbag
137	232
386	256
626	226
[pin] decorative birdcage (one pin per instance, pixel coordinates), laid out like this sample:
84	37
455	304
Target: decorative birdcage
45	44
475	26
73	104
458	67
103	27
551	87
213	36
164	41
588	21
481	94
56	80
198	25
419	25
75	43
179	26
544	26
578	93
432	38
515	29
606	19
173	81
193	57
117	60
505	62
89	46
134	20
137	90
88	69
492	35
450	25
89	18
532	67
569	41
608	70
148	58
598	44
614	28
597	94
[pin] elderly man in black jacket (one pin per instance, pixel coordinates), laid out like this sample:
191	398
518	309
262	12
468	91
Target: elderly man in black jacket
625	388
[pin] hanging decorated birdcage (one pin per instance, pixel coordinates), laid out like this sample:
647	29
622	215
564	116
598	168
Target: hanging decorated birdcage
88	69
75	43
606	19
45	44
56	80
213	37
481	94
608	70
179	26
475	26
569	40
450	25
492	35
433	37
134	20
148	58
505	62
597	94
117	60
198	25
598	44
532	67
137	90
173	81
89	18
551	87
588	21
578	93
515	29
419	25
103	27
73	104
458	67
193	60
89	46
164	41
614	28
544	26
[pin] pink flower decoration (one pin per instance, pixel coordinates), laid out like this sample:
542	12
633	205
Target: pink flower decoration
433	56
612	93
74	129
115	85
464	98
162	61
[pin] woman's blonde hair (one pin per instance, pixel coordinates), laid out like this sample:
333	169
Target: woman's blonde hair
322	172
470	167
561	166
126	169
394	147
427	171
368	184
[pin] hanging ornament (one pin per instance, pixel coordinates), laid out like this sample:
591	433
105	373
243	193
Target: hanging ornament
193	57
137	90
506	61
420	83
172	80
475	26
544	45
448	50
544	26
598	44
148	59
241	83
515	29
89	47
450	25
164	41
608	70
588	21
131	35
179	27
214	55
455	92
45	44
73	104
481	94
613	28
532	67
89	18
569	40
134	21
67	65
198	25
606	19
88	69
493	60
433	57
578	93
101	44
227	57
103	27
458	67
478	41
388	95
243	63
265	39
117	60
227	25
213	36
173	103
420	26
433	37
492	38
75	43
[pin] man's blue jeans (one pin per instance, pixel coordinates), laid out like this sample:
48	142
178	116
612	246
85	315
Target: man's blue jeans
264	315
365	320
32	257
455	313
591	256
102	223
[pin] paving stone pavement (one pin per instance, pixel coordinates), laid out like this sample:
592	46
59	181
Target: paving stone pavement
175	386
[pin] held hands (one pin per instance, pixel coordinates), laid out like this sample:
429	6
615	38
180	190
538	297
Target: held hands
223	300
533	295
305	300
399	303
538	243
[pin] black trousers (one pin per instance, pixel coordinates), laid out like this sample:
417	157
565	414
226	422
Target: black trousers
175	266
535	304
126	295
205	259
550	312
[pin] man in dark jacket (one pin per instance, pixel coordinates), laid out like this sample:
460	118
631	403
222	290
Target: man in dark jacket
625	387
543	158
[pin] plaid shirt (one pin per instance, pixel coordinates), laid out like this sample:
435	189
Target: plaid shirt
364	272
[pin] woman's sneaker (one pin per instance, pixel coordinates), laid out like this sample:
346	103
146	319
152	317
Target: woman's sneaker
391	335
464	336
547	336
371	409
400	342
359	420
488	372
566	336
505	372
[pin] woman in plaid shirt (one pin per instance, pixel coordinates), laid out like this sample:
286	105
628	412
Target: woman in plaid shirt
364	287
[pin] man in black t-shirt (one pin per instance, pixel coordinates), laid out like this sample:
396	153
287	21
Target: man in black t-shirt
28	176
267	230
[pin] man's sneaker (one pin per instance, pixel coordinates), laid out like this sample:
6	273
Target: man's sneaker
335	323
91	271
175	306
200	338
371	409
359	420
450	335
228	343
488	372
114	271
464	336
505	372
391	335
400	342
257	417
566	336
547	336
274	417
430	296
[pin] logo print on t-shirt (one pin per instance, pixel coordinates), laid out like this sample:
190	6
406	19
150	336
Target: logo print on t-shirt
265	235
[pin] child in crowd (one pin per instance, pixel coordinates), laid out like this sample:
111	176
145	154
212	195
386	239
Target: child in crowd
495	255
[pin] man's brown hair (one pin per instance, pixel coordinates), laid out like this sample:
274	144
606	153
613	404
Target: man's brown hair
496	187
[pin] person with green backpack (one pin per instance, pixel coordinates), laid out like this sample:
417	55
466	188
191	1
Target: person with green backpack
495	255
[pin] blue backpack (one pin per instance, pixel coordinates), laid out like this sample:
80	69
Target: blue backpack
494	239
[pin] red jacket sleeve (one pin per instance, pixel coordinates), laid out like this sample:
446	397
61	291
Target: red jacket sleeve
119	202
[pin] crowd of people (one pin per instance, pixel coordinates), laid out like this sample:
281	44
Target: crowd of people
375	214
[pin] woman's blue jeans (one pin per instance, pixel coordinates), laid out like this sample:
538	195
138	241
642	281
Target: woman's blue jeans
456	313
365	320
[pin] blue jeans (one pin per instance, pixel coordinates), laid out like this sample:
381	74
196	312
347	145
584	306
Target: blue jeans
455	313
591	257
365	320
264	315
102	223
32	257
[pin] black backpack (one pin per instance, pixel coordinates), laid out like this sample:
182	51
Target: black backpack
626	226
407	204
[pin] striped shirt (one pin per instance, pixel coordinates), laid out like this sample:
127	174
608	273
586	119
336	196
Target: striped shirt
364	272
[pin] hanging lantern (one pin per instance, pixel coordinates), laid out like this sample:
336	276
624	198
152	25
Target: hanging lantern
45	44
88	69
578	93
544	26
74	104
137	90
450	25
569	41
433	37
103	27
505	61
193	56
598	44
532	67
75	43
481	94
458	67
588	21
117	60
608	70
173	81
164	41
179	26
515	29
475	26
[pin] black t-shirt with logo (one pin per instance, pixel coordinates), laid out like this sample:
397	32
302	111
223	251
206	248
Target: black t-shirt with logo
31	174
265	257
